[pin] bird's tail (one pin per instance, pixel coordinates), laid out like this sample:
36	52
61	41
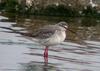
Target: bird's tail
26	35
17	31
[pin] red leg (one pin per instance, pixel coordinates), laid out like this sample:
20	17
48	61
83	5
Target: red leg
46	54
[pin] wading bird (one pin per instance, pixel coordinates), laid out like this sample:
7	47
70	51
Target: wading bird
48	35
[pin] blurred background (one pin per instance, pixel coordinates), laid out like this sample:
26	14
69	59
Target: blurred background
87	8
76	53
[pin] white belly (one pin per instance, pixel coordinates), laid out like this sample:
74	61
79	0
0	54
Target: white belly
54	39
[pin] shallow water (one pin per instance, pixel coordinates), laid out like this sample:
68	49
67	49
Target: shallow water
18	53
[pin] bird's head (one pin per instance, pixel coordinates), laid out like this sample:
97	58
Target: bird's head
63	24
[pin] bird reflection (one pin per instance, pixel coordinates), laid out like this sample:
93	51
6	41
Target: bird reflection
45	68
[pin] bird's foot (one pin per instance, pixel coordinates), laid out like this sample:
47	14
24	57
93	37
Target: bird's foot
46	55
46	52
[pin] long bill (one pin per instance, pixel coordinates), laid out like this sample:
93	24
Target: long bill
79	37
74	33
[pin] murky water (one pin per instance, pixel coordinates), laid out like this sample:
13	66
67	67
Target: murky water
18	53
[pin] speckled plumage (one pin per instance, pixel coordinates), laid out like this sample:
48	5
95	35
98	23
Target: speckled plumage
51	34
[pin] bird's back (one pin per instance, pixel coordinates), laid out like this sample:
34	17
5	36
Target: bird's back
50	35
45	32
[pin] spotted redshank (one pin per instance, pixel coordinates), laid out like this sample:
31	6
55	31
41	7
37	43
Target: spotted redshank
48	35
51	35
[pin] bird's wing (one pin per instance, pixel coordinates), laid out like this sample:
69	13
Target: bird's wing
42	33
45	32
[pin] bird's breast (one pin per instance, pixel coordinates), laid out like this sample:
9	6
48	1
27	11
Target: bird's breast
55	39
61	36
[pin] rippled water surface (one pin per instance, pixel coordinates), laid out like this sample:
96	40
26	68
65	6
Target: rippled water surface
18	53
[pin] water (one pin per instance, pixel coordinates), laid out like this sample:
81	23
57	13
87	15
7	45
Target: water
18	53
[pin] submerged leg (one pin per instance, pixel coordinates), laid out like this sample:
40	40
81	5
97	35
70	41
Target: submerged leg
46	55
